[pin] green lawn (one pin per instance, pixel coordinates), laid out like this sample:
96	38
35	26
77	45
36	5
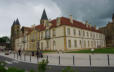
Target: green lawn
100	50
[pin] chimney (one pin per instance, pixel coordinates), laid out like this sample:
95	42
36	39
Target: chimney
89	25
58	21
71	19
86	23
95	26
33	26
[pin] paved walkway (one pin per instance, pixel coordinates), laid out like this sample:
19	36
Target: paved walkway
67	59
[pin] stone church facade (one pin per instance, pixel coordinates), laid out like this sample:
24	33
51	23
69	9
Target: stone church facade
108	30
60	34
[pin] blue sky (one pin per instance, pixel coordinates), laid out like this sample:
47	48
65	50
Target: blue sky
97	12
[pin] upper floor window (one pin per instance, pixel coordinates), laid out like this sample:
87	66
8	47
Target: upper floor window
87	34
83	33
47	34
54	32
68	31
79	33
74	32
41	35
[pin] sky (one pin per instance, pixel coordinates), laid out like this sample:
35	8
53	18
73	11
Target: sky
96	12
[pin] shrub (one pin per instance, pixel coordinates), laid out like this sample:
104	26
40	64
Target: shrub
42	65
68	69
2	67
14	70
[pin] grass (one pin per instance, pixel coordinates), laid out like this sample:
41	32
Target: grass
99	50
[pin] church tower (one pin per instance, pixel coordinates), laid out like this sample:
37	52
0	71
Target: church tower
15	32
44	17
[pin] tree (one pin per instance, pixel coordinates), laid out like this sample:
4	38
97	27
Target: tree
4	39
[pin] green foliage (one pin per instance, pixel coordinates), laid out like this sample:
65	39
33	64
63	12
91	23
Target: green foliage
68	69
32	71
14	70
4	39
42	65
2	67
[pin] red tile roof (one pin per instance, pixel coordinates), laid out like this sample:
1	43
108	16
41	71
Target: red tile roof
66	21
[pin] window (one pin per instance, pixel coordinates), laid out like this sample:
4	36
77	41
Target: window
83	33
47	35
88	43
41	45
74	32
54	32
87	34
91	34
69	43
68	31
79	33
84	43
41	35
54	45
75	43
80	42
47	44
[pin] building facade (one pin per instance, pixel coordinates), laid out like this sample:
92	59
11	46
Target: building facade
60	34
108	31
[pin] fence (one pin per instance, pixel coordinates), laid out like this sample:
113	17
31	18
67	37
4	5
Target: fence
72	60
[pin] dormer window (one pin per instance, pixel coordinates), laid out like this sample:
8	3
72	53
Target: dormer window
54	32
47	34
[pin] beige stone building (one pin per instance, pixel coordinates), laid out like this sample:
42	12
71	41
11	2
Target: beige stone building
60	34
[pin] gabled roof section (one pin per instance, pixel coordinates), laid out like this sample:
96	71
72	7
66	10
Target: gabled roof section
44	15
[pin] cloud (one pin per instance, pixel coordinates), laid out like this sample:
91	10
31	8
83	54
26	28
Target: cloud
97	12
28	11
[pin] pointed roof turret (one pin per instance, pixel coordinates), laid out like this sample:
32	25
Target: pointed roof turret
14	22
17	22
44	15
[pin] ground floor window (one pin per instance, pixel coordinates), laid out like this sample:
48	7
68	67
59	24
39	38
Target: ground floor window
69	43
75	43
54	45
41	45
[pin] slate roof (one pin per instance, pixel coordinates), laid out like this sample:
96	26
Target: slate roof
66	21
44	15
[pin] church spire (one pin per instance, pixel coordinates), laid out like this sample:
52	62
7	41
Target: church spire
17	22
14	22
44	15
